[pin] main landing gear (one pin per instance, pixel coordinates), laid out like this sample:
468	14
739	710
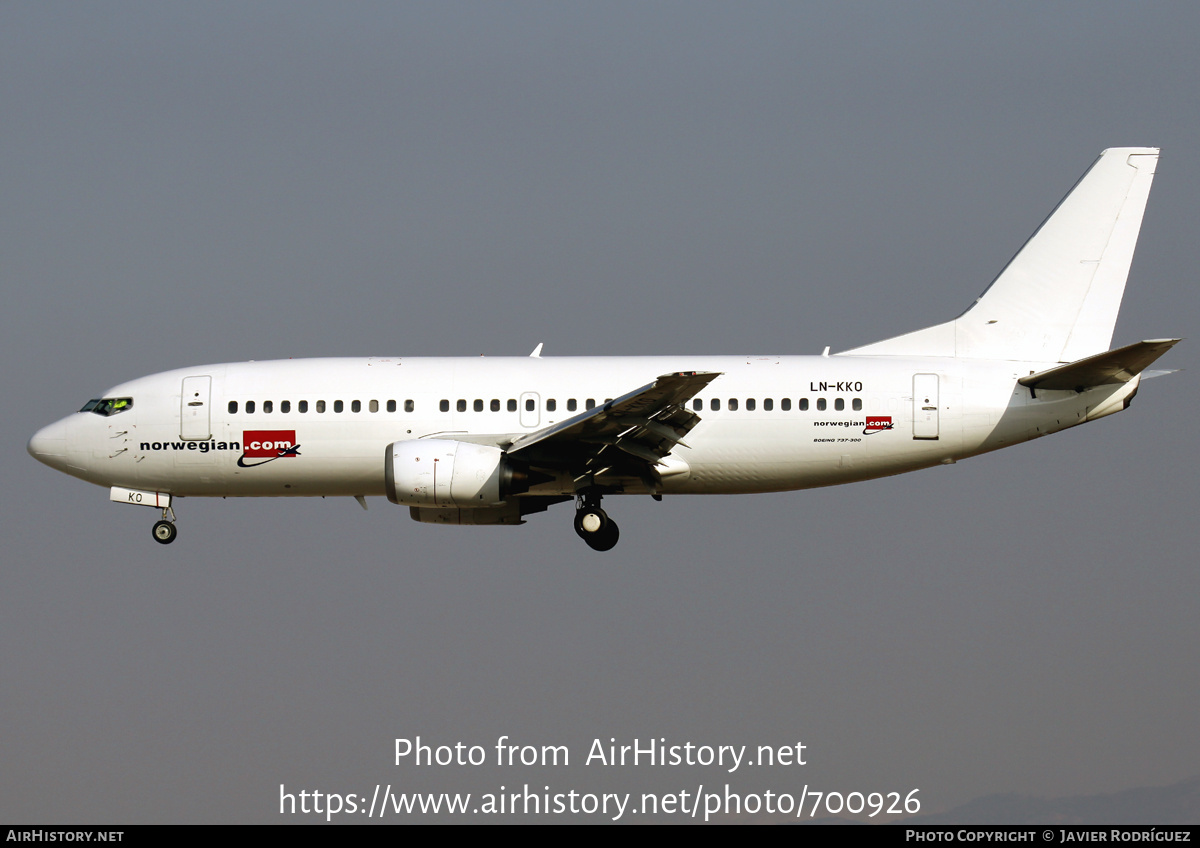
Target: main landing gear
593	525
164	530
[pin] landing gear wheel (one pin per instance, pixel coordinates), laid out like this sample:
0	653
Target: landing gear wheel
606	538
590	521
593	525
164	532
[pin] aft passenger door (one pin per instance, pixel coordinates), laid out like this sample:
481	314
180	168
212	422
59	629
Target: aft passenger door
925	406
194	418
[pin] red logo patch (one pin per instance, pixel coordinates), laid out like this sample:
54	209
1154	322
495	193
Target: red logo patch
268	444
877	424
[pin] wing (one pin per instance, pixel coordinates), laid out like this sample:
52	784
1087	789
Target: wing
628	436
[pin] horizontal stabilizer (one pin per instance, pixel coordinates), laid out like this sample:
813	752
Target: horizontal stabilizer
1111	367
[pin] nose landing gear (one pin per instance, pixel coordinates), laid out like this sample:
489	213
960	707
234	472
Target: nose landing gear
593	525
164	530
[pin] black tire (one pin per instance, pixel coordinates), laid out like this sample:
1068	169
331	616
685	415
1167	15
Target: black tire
606	539
164	532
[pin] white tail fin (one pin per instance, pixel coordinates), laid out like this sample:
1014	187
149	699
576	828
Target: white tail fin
1057	300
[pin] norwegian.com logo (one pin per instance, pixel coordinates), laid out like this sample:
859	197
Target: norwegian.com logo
267	446
877	424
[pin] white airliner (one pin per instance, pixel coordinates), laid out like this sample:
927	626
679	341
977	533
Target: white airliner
491	440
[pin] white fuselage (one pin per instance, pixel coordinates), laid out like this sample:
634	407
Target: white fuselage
768	423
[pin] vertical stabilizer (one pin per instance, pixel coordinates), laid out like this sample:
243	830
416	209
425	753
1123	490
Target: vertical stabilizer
1057	300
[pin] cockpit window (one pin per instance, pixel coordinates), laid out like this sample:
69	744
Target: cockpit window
107	406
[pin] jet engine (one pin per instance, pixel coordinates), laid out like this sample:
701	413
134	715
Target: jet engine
444	473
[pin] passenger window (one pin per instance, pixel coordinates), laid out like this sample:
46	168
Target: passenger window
715	406
495	406
750	404
444	405
551	405
785	404
302	406
802	405
572	405
409	406
249	407
857	404
590	403
233	407
821	404
268	406
530	405
697	404
839	404
338	406
512	405
478	405
733	404
461	406
768	404
285	406
374	407
391	406
320	406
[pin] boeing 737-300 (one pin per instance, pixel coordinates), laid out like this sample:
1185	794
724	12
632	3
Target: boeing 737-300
489	441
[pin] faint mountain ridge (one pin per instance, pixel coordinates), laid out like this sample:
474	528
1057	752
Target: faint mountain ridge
1175	804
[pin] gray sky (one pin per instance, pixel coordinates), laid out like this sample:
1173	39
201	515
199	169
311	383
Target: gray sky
190	183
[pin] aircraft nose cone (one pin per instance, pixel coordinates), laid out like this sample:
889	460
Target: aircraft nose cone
49	445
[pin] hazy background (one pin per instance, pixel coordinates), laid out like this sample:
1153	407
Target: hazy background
194	183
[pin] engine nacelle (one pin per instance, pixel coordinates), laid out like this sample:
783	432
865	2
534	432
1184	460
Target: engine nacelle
447	473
